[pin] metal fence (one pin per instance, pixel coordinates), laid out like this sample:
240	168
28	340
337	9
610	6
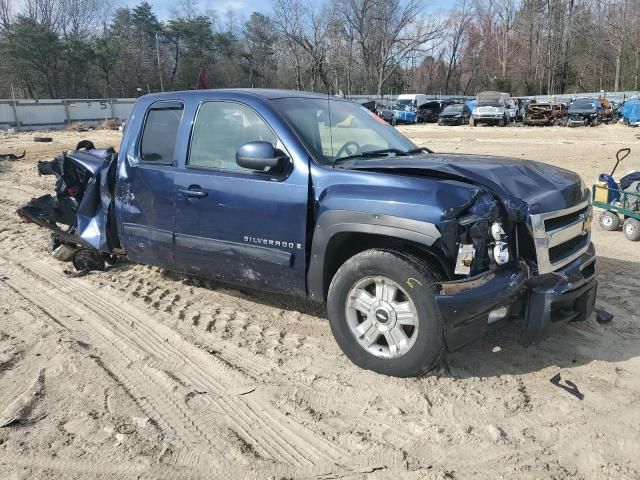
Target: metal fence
56	114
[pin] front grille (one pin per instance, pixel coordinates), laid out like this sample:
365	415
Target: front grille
562	236
564	220
566	249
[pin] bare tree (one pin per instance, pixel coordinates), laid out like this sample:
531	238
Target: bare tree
388	32
306	28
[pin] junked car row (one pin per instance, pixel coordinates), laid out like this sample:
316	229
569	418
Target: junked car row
500	109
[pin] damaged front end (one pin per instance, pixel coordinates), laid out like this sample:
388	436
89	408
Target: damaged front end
500	273
81	215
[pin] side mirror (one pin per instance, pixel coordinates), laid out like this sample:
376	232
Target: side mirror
261	156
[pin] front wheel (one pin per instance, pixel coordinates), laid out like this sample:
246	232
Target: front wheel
383	313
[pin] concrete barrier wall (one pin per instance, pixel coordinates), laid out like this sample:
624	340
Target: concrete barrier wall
56	114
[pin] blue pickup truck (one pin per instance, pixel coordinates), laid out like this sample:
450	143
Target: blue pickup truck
414	252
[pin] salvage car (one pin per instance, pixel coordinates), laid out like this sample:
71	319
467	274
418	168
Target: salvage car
385	111
544	114
404	113
430	111
457	114
491	109
414	252
583	112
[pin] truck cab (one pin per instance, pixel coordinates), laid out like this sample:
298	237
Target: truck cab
414	252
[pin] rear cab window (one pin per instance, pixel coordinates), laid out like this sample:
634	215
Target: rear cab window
160	132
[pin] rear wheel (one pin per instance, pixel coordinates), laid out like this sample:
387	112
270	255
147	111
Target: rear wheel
631	229
609	221
384	315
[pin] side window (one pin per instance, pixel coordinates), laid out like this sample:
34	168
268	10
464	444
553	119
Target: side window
160	132
220	129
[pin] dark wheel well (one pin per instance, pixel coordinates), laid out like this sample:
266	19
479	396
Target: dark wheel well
343	246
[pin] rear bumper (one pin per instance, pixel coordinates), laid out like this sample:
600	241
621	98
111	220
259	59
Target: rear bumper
540	301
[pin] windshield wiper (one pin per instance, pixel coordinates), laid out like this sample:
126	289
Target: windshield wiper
373	153
419	150
385	151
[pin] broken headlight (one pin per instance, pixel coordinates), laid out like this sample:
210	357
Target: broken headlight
501	253
497	231
500	249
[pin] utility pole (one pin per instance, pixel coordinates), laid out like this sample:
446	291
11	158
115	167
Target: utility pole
15	108
159	69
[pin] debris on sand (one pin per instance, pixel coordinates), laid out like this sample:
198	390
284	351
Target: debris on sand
495	433
602	316
570	387
18	410
12	156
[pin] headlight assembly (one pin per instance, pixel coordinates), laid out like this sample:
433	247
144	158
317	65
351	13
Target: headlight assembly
497	232
501	248
501	253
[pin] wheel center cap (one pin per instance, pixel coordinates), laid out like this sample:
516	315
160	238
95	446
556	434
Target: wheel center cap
382	316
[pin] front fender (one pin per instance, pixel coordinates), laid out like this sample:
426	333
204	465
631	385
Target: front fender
334	222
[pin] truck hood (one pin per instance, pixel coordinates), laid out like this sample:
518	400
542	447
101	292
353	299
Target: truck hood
523	186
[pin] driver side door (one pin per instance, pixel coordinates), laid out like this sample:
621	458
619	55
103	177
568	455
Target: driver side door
232	223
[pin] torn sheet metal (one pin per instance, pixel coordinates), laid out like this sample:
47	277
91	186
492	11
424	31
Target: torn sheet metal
85	182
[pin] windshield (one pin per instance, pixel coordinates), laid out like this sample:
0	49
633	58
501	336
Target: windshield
584	104
405	101
333	129
453	109
403	107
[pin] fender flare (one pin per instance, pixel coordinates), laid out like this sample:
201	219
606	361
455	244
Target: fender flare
335	222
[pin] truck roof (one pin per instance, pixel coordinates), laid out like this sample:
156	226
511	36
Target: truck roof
267	93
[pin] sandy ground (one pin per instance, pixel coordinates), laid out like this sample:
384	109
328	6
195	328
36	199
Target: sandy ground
137	372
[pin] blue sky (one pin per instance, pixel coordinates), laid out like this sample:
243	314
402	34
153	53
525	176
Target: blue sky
244	8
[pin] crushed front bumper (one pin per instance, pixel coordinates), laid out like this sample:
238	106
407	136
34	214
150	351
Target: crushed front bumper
541	301
450	121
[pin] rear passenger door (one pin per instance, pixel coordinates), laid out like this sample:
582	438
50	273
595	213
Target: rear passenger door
146	179
233	223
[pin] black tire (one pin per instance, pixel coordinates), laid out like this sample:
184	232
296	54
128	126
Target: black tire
502	122
86	259
43	139
631	229
609	221
429	344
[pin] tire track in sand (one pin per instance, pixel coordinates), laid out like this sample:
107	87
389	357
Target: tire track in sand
136	342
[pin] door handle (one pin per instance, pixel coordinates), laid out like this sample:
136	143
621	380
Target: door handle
193	192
